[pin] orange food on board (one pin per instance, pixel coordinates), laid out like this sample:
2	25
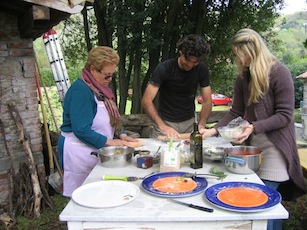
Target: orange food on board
174	184
242	197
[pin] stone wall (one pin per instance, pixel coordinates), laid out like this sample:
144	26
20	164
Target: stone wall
17	85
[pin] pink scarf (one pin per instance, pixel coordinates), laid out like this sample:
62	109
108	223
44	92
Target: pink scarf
108	95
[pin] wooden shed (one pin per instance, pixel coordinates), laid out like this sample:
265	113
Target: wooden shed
21	22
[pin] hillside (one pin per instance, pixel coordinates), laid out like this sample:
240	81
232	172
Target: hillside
292	33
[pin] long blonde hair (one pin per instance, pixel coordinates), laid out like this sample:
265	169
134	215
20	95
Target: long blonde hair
248	44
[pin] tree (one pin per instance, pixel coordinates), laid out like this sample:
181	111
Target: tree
145	32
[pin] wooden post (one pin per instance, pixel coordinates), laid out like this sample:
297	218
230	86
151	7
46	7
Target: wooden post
33	172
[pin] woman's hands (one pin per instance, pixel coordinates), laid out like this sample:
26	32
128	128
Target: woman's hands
116	142
248	130
125	137
124	140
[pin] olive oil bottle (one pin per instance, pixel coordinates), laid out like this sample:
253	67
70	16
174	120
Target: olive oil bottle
196	147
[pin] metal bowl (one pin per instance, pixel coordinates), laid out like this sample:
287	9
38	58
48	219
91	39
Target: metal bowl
115	156
243	159
215	154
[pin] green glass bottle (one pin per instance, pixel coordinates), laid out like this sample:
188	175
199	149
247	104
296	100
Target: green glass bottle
196	147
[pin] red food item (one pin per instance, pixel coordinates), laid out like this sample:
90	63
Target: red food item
242	197
174	184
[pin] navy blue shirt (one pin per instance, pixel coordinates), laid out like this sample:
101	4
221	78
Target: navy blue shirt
178	89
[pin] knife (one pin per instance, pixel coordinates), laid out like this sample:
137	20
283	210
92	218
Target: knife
192	206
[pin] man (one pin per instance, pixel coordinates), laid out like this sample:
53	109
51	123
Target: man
177	80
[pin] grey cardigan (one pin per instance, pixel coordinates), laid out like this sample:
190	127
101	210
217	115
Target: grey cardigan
274	116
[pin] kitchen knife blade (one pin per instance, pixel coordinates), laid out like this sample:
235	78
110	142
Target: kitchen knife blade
192	206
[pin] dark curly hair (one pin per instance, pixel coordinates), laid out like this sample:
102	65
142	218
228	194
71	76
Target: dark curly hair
194	45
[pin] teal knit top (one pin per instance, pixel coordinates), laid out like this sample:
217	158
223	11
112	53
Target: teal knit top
79	110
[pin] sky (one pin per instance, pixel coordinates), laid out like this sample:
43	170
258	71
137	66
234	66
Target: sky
292	6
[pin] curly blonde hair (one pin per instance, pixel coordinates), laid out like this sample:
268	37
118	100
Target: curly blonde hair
247	43
101	56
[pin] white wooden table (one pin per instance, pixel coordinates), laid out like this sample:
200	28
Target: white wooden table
152	212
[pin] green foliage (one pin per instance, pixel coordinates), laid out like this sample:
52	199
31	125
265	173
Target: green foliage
47	75
223	78
53	113
73	39
147	31
74	72
296	68
292	33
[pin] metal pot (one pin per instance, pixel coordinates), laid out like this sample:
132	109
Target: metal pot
115	156
214	154
242	159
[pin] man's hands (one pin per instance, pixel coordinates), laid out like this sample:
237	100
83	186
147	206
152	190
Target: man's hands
169	132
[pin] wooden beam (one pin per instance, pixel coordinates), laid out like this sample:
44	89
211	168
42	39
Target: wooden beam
40	12
58	5
38	20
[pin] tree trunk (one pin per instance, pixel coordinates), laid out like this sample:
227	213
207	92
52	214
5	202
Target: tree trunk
174	10
137	47
86	28
123	77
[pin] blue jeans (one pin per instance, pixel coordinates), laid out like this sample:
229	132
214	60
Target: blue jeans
273	224
60	150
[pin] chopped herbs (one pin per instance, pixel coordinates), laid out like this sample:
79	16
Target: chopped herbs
220	174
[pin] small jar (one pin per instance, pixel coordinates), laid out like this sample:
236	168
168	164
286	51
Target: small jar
145	161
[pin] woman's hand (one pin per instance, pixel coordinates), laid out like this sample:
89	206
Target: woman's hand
208	132
248	130
116	142
125	137
303	75
124	140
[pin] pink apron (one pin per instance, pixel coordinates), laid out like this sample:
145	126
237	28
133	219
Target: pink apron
78	161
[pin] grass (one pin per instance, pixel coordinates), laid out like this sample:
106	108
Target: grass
48	220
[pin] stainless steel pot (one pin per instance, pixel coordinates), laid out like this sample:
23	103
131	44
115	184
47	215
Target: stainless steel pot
242	159
214	154
115	156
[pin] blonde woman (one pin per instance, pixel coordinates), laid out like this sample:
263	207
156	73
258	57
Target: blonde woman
264	96
91	119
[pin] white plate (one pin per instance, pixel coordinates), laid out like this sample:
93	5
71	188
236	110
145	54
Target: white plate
105	194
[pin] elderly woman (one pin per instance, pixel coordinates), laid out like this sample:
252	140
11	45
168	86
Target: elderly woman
264	96
91	119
